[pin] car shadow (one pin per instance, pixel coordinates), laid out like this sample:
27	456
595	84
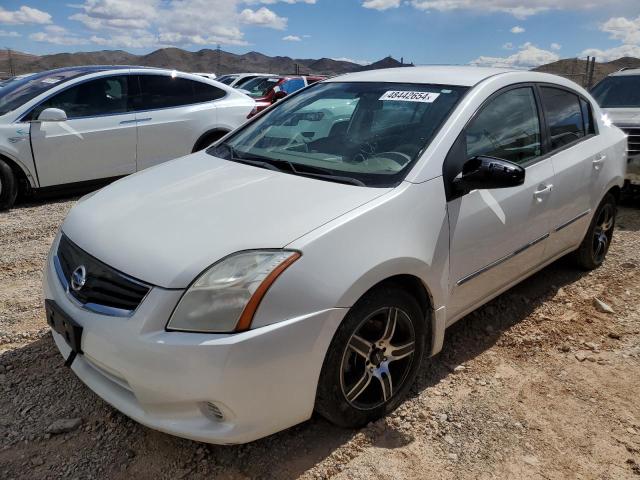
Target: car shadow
39	389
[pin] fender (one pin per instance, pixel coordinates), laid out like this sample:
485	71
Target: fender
413	267
27	173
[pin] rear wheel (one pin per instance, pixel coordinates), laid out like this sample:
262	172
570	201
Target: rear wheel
373	358
595	245
8	186
207	139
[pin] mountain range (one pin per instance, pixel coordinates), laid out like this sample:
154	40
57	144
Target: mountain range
205	60
221	62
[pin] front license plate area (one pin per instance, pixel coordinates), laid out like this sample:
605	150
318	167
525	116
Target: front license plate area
64	325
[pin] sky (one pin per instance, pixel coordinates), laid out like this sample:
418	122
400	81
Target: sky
509	33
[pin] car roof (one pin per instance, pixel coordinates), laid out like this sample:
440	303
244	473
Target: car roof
626	71
441	75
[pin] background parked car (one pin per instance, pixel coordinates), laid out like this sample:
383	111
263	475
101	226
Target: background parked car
82	124
236	80
211	76
619	97
268	90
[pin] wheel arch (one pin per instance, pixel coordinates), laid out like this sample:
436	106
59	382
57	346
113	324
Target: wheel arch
417	287
217	133
24	177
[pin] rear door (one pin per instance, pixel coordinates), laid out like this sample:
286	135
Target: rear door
172	113
499	235
578	158
97	141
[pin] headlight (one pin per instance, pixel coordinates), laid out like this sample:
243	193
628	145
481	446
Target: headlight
226	296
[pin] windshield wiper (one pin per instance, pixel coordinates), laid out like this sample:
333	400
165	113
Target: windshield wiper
294	168
334	178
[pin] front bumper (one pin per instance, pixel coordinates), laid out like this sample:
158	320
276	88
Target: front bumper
262	380
633	170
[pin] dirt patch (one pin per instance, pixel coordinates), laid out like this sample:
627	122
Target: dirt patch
539	383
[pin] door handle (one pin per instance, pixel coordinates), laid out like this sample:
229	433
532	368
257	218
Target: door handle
598	161
543	191
144	119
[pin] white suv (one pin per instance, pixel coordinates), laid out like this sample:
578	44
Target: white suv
82	124
619	97
314	257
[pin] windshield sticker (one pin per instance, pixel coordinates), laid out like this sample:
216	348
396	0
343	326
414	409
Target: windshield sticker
50	80
408	96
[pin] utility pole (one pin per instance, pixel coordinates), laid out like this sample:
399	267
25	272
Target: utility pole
10	60
218	66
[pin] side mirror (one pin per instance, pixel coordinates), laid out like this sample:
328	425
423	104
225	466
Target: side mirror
52	115
487	173
279	95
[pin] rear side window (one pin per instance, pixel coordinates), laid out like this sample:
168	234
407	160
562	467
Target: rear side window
508	127
203	92
564	116
164	91
103	96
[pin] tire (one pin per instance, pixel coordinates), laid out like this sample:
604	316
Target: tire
596	242
207	139
8	186
342	396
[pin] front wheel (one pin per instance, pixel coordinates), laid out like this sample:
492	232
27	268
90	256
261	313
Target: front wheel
373	358
8	186
595	245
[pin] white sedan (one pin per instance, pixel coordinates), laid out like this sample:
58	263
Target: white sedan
313	259
78	125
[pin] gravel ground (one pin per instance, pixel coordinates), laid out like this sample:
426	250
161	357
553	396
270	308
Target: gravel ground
539	383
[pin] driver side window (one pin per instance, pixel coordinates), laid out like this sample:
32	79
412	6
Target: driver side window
507	128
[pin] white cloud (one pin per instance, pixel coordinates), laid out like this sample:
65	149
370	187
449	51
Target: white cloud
6	33
158	23
528	56
613	53
619	28
351	60
517	29
271	2
555	46
520	8
263	17
507	46
57	35
381	4
24	15
292	38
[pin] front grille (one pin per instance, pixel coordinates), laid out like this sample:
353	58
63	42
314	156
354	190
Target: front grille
633	140
105	290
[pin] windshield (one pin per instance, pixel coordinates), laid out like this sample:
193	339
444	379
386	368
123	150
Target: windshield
622	91
259	87
361	133
19	92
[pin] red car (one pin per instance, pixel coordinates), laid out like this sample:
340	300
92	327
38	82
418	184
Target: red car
268	90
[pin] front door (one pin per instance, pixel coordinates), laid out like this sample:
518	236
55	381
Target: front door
97	141
498	235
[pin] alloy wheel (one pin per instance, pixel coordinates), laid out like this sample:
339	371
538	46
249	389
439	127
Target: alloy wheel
603	232
378	358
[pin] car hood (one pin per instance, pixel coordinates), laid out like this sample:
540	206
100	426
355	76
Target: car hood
623	116
167	224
